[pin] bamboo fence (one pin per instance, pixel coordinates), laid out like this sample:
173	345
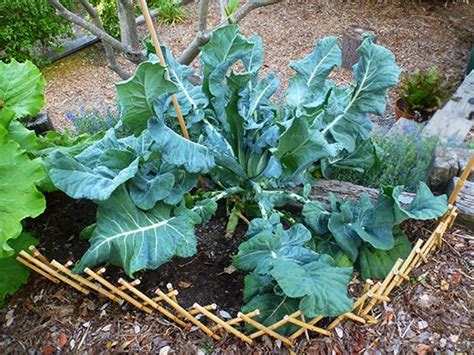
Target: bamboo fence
166	303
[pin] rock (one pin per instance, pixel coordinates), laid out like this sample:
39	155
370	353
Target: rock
41	123
422	324
453	338
425	301
165	350
446	164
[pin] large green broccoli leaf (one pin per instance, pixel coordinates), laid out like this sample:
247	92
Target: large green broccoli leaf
14	274
321	285
347	119
97	171
134	239
21	88
423	207
261	251
138	94
19	197
179	151
376	264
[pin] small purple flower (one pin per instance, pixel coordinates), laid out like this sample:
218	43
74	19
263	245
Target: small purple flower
70	116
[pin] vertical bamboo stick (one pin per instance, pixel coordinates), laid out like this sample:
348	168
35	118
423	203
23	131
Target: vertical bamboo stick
159	53
37	254
462	180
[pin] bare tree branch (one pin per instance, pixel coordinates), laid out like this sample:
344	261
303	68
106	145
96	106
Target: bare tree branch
203	37
203	11
128	25
132	55
109	51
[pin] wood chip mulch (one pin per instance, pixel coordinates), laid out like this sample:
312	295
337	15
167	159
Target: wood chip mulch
421	35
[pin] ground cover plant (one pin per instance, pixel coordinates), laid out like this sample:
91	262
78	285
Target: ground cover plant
256	154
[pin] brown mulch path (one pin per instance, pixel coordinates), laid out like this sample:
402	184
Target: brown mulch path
433	312
420	35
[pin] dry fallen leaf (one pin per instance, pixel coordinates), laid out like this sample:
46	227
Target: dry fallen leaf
62	340
184	284
444	285
456	278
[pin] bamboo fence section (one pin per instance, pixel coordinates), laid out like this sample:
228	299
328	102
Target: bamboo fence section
166	303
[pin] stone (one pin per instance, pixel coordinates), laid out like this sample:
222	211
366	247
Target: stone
452	123
446	164
41	123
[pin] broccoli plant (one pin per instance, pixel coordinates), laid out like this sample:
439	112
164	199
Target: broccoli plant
253	151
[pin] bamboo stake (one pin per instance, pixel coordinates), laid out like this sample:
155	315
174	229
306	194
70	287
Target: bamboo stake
38	270
306	333
298	333
224	325
83	281
354	317
159	53
116	290
159	299
187	315
169	286
275	325
265	329
53	272
405	268
462	180
133	283
99	272
38	255
308	326
235	320
150	302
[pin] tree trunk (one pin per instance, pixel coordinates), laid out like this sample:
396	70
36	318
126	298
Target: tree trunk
128	26
351	40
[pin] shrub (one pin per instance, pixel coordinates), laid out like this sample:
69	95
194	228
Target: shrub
404	160
171	11
88	121
424	92
26	24
107	10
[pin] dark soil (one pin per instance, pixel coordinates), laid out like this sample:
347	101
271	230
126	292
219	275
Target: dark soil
201	278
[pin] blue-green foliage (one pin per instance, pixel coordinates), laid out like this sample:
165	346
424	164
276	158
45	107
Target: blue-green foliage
252	150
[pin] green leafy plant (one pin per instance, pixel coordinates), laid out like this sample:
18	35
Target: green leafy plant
424	91
27	24
403	159
170	11
253	151
107	10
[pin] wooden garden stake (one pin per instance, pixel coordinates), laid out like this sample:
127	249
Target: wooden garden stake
133	283
98	272
467	170
306	333
37	254
38	270
53	272
169	286
187	315
159	53
236	320
308	326
117	291
265	329
224	325
169	294
85	282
